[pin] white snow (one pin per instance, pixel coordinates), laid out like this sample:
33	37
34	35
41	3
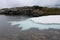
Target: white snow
47	19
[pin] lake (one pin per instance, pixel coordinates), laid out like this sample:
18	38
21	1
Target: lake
23	21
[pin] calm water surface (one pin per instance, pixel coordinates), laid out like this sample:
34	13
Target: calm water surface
22	21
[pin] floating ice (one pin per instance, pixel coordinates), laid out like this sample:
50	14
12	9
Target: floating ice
47	19
38	22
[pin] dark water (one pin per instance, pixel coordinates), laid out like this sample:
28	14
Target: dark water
5	19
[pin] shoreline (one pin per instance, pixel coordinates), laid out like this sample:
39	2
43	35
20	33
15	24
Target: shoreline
34	11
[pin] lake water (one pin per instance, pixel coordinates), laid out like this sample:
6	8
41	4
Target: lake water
23	21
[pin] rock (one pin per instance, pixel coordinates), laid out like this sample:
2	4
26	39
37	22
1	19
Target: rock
28	11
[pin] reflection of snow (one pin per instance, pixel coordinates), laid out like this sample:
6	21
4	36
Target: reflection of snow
45	19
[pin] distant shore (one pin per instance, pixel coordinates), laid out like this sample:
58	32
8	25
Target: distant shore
34	11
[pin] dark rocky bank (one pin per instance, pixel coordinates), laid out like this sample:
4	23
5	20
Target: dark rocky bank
28	11
33	11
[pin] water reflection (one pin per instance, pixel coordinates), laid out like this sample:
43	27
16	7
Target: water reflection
22	21
4	19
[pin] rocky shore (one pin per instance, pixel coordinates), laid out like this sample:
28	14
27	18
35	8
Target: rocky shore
29	11
34	11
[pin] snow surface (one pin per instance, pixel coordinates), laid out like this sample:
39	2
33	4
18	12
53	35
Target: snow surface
47	19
